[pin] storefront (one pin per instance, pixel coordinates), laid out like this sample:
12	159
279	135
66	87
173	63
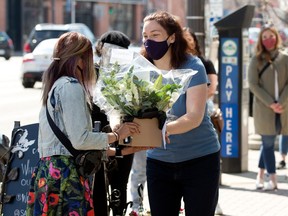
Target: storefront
99	16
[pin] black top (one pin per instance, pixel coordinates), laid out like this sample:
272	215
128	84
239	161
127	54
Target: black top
209	67
98	115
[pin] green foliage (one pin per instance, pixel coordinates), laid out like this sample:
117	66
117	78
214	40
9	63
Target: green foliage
129	94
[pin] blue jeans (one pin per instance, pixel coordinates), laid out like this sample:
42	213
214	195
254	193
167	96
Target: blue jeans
283	144
196	181
267	155
137	176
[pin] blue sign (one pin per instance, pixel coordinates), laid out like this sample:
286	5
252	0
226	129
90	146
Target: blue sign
23	159
229	91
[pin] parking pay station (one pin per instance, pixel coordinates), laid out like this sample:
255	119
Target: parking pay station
233	56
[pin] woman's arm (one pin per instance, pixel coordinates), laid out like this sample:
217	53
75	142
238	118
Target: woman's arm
213	78
195	109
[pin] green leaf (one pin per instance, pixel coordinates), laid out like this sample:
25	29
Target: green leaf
158	82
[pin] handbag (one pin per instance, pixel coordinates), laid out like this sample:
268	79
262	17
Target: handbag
217	120
87	162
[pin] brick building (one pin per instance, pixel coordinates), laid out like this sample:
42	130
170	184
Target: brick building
18	17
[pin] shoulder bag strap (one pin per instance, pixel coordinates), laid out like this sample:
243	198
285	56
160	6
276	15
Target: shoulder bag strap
60	135
267	65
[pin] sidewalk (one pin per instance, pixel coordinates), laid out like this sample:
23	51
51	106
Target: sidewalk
238	196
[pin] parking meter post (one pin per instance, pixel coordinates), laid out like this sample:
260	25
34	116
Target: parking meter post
233	55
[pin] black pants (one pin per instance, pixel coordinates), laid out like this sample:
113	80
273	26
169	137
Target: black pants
196	181
118	180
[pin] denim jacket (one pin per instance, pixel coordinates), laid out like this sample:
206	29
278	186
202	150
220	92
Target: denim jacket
68	108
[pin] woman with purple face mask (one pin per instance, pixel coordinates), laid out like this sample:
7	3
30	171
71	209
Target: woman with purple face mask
270	106
188	168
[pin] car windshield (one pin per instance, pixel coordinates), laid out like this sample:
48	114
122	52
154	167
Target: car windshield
45	34
85	32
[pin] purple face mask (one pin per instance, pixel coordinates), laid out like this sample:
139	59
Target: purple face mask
156	50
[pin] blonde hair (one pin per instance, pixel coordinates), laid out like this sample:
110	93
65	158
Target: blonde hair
69	49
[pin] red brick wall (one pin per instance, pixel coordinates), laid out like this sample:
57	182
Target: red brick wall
178	8
3	15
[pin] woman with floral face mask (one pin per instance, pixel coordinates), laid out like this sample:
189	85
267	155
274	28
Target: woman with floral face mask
188	167
270	106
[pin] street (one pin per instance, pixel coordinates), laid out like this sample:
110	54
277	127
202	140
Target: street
16	102
237	195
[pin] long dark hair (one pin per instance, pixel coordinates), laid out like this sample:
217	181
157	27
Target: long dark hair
69	48
188	33
171	26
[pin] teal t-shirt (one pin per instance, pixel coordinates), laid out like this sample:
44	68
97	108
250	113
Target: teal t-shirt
197	142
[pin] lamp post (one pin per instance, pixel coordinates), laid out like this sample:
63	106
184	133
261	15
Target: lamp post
53	11
73	3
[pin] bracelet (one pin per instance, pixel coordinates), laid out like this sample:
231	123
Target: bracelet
116	135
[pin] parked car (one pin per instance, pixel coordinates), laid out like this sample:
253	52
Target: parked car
35	63
47	30
6	45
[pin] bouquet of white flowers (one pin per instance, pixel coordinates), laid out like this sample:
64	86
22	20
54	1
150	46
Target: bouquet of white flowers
139	90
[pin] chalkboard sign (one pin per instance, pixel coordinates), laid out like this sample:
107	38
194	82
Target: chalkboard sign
24	157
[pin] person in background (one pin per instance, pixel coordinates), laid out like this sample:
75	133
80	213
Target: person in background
189	167
283	149
119	176
270	105
56	187
137	177
194	49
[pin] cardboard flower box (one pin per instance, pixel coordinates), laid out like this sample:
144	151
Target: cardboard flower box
150	135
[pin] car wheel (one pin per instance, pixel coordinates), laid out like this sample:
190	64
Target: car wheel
7	57
27	84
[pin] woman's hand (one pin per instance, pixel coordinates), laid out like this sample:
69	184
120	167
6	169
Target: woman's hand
276	107
167	137
127	129
131	150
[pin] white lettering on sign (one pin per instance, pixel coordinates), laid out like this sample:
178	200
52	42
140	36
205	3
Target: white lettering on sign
228	127
27	169
228	112
34	151
228	137
228	70
19	212
228	84
25	182
229	149
228	95
22	197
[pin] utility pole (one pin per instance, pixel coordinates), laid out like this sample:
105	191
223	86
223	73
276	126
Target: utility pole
53	11
196	20
73	4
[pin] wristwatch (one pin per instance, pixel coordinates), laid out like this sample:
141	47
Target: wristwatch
118	153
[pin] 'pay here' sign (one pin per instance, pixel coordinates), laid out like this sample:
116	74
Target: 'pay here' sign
230	96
